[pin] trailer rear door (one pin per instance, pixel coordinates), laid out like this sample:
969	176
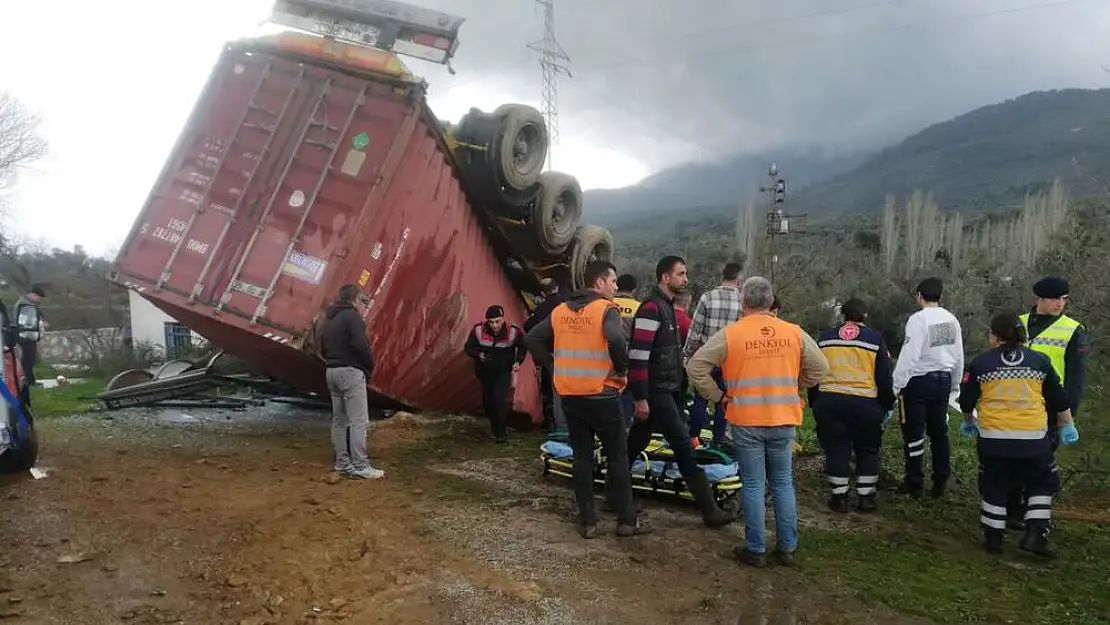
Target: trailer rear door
270	175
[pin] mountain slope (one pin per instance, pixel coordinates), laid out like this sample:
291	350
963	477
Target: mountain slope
984	159
724	183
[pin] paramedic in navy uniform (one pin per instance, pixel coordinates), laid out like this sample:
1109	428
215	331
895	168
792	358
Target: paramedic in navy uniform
927	372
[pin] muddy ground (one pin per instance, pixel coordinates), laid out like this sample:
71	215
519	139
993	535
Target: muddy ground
164	516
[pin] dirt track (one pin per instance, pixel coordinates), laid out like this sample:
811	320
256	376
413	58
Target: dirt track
158	517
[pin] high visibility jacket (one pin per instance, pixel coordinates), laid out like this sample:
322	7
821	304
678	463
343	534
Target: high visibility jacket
1011	402
761	372
582	363
627	306
1053	341
851	350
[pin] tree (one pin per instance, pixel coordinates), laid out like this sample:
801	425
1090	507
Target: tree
20	145
20	142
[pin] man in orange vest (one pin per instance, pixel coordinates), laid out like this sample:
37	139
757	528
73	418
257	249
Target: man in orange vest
764	361
584	344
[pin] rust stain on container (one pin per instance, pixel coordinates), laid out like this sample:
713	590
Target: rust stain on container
255	224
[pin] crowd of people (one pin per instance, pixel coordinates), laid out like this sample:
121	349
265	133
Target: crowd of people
617	370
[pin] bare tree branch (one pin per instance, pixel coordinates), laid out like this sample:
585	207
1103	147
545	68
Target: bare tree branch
20	143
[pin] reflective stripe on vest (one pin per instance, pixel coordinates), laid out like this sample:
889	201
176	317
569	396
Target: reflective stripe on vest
485	339
851	367
761	370
1053	341
582	363
627	306
1011	403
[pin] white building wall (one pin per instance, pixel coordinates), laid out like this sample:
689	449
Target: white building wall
148	322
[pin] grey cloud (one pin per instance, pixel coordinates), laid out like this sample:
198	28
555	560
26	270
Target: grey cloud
668	82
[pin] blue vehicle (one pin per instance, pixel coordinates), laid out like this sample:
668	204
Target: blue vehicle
19	448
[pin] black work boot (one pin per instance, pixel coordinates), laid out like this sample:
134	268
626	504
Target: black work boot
758	560
992	540
939	486
643	526
712	514
867	503
587	530
1035	541
838	503
913	490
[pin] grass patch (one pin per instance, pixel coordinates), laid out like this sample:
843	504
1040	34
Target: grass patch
926	560
934	568
67	399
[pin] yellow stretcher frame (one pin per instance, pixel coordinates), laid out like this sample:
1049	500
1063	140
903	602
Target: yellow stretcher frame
647	481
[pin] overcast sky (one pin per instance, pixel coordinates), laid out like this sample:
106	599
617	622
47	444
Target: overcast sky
652	87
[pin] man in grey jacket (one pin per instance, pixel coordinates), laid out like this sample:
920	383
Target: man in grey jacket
350	363
590	368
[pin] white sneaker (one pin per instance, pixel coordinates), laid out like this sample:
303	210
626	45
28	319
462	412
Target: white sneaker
369	473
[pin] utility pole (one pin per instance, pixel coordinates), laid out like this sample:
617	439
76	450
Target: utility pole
553	61
778	220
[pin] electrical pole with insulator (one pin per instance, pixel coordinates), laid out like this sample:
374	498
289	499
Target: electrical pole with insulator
778	219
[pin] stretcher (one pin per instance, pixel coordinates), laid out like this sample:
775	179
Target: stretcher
655	471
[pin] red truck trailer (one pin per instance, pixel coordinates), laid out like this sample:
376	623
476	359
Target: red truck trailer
307	164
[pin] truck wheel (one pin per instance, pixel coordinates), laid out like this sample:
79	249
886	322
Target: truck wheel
23	457
557	211
590	243
522	145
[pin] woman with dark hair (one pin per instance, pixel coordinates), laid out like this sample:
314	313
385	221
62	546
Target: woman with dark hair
1003	396
849	405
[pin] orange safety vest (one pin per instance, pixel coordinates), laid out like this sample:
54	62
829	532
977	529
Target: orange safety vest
582	364
761	371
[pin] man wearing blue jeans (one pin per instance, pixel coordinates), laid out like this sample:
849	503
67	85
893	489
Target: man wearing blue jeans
764	361
716	308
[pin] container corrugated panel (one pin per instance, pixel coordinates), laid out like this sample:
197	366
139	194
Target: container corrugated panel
293	178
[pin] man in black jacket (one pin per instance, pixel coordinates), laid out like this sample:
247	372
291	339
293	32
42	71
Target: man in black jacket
497	348
656	378
350	363
553	416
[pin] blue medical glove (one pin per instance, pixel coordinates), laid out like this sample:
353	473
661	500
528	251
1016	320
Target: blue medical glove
1069	435
968	429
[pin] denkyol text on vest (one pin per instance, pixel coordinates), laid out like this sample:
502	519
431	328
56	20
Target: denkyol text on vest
767	345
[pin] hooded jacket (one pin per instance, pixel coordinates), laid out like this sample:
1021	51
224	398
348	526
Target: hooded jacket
540	340
343	341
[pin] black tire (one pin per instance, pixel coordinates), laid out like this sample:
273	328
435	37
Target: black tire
23	458
478	154
557	211
521	149
590	243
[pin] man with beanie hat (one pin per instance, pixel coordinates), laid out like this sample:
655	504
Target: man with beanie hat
28	339
1066	343
497	349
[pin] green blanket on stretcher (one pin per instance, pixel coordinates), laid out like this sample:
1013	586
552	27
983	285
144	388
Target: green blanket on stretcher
655	470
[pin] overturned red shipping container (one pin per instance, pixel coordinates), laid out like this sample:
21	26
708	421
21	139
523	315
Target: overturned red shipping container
308	164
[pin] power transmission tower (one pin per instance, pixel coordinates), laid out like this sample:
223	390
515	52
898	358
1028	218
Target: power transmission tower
553	61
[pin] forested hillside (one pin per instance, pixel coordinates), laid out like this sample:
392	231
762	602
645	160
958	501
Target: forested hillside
980	161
